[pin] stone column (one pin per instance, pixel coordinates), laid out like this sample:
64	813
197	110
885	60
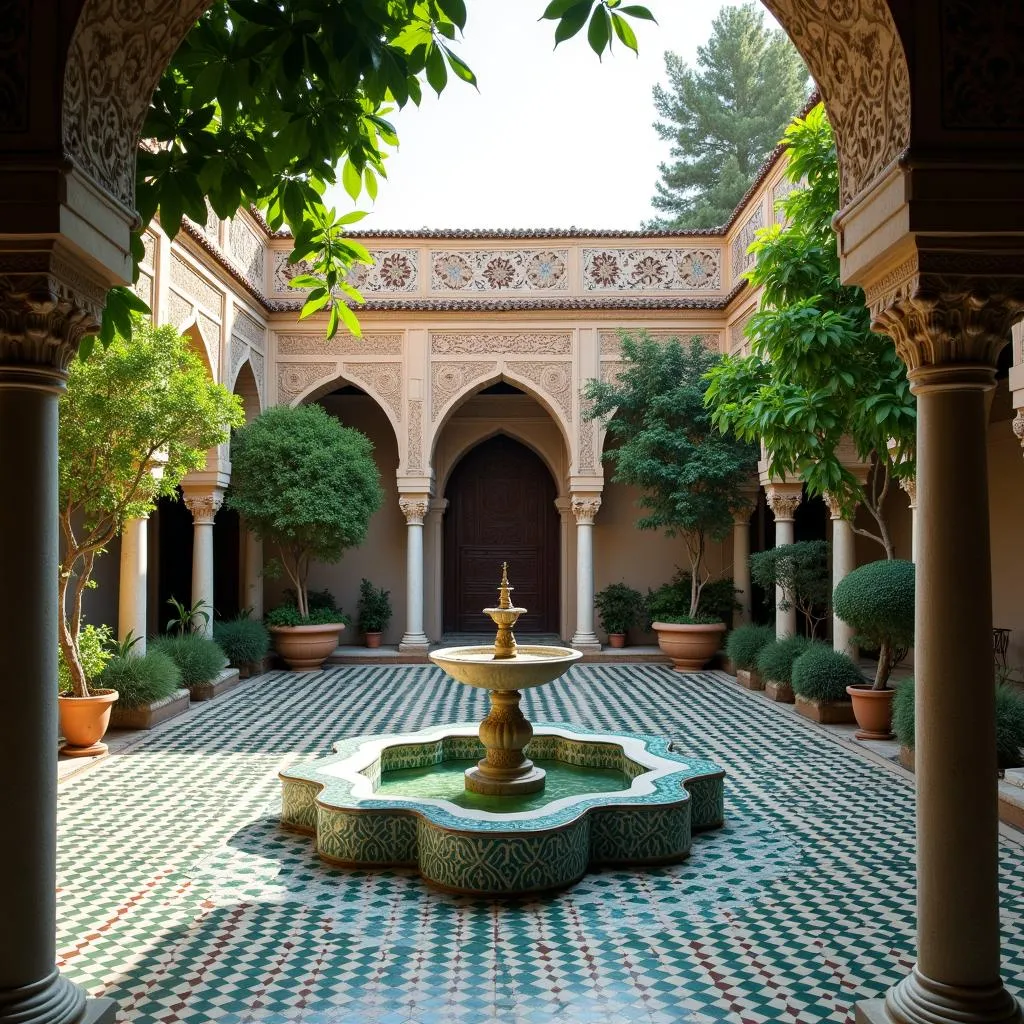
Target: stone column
204	505
414	508
910	486
585	508
433	588
42	320
949	331
133	584
844	561
784	500
741	561
252	573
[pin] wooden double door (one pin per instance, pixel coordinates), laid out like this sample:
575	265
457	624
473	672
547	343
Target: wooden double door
501	508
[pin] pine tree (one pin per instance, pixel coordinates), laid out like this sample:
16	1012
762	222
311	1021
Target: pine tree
724	117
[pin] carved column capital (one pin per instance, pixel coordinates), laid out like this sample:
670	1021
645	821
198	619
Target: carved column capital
204	505
909	484
834	505
784	500
414	507
585	507
1018	426
744	507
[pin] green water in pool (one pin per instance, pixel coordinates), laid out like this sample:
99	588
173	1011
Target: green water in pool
446	781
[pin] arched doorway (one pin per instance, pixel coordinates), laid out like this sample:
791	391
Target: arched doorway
501	507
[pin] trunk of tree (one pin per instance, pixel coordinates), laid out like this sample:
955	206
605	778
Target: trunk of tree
884	667
292	562
69	642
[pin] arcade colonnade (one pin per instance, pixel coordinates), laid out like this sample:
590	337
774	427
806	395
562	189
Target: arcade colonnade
929	135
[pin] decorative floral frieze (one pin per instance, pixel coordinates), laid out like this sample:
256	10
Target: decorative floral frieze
652	270
392	271
415	437
382	380
247	252
498	270
339	345
586	447
550	343
448	379
741	259
611	346
294	379
190	284
552	379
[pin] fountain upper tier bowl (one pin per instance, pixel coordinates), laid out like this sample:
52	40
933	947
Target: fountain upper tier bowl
532	665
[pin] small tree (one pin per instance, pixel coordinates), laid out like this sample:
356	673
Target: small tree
801	571
305	484
145	398
691	475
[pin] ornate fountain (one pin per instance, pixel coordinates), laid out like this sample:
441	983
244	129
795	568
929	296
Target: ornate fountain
540	807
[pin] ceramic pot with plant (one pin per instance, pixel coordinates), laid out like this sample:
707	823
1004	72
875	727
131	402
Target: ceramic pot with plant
619	607
820	679
308	487
374	612
742	647
85	716
775	667
877	601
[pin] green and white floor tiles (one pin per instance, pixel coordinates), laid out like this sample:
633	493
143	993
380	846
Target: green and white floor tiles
181	899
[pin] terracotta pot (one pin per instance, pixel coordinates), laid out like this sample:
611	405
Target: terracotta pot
749	678
304	648
373	639
825	712
84	722
690	647
616	639
873	710
779	691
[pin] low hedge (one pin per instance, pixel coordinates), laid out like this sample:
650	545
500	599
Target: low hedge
823	674
199	659
775	662
143	680
244	641
903	713
745	643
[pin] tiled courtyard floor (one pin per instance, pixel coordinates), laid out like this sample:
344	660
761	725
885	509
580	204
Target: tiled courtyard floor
181	899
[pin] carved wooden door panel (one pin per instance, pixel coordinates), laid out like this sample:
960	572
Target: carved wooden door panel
501	508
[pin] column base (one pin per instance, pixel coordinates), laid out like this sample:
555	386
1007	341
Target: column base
586	642
54	1000
920	1000
99	1011
414	643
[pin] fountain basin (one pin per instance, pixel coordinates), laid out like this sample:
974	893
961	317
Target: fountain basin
664	798
533	665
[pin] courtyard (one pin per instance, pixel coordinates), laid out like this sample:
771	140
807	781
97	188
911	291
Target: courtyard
181	898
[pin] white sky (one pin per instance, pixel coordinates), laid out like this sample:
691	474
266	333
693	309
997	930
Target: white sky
552	139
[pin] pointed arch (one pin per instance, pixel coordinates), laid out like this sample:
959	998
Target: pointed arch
200	345
244	385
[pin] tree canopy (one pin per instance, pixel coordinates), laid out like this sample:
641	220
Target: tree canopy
723	117
818	378
266	104
144	403
690	475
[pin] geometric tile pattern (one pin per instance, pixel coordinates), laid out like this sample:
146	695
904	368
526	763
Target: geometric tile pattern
181	898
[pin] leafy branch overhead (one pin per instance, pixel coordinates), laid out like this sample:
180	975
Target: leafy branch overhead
267	104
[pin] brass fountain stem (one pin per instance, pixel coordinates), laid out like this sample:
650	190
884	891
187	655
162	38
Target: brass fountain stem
504	617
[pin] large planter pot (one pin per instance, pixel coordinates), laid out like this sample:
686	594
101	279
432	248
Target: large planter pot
873	710
825	712
749	678
84	722
305	648
616	639
690	647
373	639
778	691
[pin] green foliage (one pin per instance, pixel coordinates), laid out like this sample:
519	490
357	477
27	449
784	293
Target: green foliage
146	400
877	601
817	375
776	659
802	570
718	600
745	643
93	652
691	476
305	484
141	680
289	615
823	674
374	607
243	640
199	659
123	648
186	619
619	607
724	116
903	713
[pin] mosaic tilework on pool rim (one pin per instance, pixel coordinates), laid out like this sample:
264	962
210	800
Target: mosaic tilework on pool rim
181	898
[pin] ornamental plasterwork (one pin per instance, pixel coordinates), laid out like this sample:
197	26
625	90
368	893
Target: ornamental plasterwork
258	364
150	247
246	252
204	507
383	381
612	346
293	379
339	345
499	270
414	509
179	310
552	379
909	483
737	337
285	271
585	509
249	328
144	288
783	503
189	283
239	353
640	270
210	330
780	190
392	270
415	437
550	343
586	464
448	379
741	259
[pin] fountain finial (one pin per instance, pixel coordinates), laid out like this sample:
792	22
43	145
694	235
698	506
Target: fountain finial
504	616
504	600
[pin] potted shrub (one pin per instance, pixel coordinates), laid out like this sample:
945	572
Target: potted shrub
618	608
374	612
84	719
244	641
308	487
801	571
820	679
198	658
775	666
690	474
877	601
149	688
743	646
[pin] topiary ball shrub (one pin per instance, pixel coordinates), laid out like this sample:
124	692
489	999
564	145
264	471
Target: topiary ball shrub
775	662
141	681
745	643
199	659
903	713
1009	726
244	641
823	674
